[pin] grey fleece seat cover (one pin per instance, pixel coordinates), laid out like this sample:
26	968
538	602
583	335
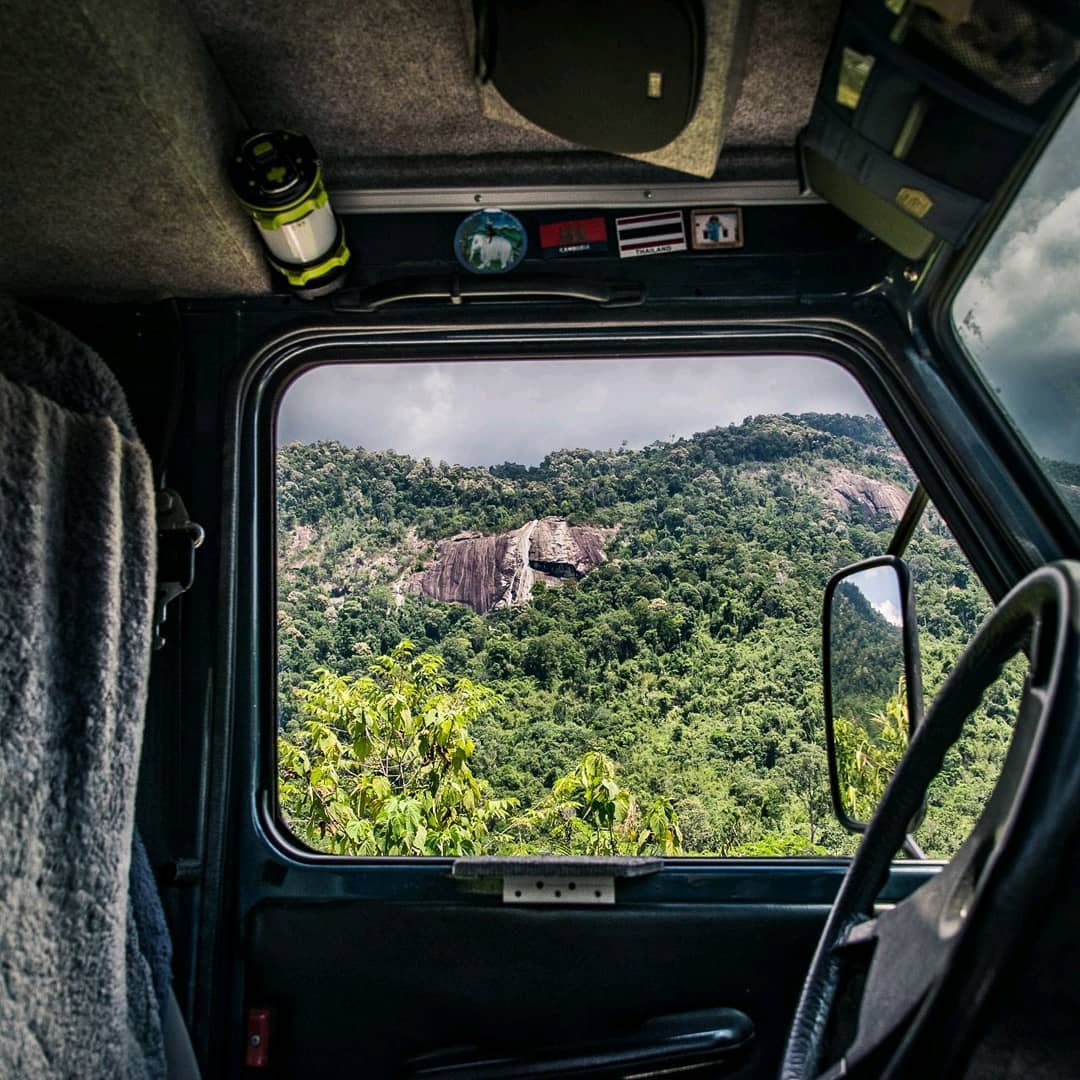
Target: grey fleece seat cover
77	558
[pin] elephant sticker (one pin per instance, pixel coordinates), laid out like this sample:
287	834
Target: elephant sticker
490	249
490	242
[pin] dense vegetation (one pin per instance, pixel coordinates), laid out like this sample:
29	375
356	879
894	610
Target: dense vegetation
672	696
381	766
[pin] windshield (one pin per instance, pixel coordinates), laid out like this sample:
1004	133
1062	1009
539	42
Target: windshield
1018	313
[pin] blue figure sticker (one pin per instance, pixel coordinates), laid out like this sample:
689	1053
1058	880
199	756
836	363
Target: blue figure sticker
490	242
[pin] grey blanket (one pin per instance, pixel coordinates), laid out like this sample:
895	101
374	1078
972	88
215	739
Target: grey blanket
77	557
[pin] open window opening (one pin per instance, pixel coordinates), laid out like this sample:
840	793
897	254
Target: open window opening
566	607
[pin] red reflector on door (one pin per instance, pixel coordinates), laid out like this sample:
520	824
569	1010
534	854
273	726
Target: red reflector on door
257	1039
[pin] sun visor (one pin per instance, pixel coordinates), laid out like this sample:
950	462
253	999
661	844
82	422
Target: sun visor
652	80
116	124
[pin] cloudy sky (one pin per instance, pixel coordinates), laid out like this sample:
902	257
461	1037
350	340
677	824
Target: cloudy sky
485	413
1019	312
882	590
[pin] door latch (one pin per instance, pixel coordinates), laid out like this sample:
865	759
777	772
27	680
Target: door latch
178	539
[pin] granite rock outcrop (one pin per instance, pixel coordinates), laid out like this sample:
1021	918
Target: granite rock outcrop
864	499
498	570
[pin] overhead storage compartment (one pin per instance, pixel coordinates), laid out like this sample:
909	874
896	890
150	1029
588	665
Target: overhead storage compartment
925	107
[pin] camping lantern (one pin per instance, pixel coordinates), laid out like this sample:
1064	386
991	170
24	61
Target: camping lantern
277	176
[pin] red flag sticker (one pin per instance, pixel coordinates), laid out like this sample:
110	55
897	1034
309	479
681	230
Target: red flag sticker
650	234
580	236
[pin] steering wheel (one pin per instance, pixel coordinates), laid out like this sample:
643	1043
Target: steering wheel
899	993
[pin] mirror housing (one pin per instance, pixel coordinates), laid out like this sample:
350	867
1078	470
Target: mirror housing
872	682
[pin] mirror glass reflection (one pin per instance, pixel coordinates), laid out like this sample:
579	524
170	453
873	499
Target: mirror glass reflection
869	694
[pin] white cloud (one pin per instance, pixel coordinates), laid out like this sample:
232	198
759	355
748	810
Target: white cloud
889	612
1030	287
1023	298
477	412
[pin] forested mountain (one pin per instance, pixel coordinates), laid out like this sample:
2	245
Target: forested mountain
687	655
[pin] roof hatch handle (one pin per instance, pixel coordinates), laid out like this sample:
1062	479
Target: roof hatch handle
458	290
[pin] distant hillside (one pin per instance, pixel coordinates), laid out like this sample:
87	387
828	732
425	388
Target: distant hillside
686	645
1066	477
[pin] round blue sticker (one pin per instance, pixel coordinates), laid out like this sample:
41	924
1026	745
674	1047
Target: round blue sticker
490	242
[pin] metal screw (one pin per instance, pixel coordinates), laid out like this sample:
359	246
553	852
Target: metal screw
255	1040
648	193
478	197
911	275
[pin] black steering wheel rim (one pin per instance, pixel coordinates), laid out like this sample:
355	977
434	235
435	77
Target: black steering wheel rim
932	960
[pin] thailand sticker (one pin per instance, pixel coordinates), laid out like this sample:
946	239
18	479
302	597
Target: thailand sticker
490	242
712	229
581	236
650	234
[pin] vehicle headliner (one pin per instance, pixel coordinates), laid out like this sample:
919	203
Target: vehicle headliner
115	186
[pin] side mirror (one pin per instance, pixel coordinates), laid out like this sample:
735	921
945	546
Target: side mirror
873	686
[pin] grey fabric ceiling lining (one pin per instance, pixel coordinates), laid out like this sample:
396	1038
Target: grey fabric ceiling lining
788	43
115	121
570	167
385	90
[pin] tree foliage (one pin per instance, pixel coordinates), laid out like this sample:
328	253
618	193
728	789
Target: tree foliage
690	660
867	754
589	813
380	765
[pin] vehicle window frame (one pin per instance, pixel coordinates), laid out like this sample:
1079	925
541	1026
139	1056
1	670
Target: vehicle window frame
873	378
738	362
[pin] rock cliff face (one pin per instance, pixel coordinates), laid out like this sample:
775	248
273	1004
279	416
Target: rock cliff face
488	572
860	497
